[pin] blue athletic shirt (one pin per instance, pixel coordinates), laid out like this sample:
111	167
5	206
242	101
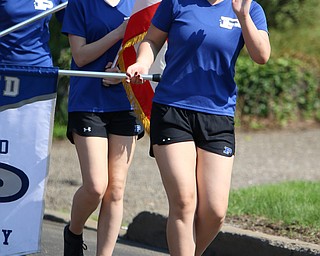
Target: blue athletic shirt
204	42
29	44
92	20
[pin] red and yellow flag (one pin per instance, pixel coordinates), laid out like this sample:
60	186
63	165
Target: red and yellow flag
140	95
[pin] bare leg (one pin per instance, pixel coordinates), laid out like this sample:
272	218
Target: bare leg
177	163
121	149
92	153
213	183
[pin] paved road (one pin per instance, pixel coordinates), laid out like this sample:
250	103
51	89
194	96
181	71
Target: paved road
52	243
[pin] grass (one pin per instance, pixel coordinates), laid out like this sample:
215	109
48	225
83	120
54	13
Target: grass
59	131
291	202
290	206
301	42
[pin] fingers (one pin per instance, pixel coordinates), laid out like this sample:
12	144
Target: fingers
133	76
134	73
105	82
109	65
109	68
136	78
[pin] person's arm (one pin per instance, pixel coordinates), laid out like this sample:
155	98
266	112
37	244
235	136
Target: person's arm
257	41
84	53
147	52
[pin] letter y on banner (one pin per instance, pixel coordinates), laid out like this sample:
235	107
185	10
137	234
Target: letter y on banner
27	102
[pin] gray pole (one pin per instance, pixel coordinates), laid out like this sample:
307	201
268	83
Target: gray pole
154	77
33	19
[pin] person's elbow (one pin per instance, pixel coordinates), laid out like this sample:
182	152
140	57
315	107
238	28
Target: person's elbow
80	60
261	53
262	57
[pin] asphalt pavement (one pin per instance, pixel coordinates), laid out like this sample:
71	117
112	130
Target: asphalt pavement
52	243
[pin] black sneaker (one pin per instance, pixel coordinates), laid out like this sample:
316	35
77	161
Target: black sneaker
73	244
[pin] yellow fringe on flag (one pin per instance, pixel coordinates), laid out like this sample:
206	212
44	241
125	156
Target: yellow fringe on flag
132	99
134	40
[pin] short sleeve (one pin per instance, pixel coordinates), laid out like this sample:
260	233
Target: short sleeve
258	16
163	17
73	21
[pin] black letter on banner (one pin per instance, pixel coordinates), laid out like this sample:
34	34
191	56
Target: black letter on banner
6	234
4	146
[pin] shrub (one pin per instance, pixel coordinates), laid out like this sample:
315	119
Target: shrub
283	90
284	14
61	58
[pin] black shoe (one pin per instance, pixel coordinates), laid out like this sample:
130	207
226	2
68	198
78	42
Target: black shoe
73	244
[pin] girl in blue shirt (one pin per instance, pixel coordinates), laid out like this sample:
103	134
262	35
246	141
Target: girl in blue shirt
101	121
28	45
192	126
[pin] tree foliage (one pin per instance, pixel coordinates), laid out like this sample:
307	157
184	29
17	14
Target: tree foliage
286	14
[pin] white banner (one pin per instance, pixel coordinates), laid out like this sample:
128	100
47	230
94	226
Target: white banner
27	102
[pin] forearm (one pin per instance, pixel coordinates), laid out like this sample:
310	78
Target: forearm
257	42
146	53
84	53
150	46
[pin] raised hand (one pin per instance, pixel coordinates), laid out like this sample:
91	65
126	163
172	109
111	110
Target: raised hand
241	7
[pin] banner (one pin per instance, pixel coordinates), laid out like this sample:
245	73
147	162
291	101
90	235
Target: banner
140	95
27	102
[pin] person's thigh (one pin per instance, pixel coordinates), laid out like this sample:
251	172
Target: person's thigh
121	151
92	152
177	164
214	179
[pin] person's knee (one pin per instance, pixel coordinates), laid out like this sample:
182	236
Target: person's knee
95	192
183	206
115	192
216	214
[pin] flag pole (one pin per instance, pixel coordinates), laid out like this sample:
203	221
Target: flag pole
33	19
152	77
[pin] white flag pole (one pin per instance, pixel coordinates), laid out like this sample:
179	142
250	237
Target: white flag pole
33	19
114	63
153	77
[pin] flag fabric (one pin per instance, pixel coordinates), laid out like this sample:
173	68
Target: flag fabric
27	102
140	95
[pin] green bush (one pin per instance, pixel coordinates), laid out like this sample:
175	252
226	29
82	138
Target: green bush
61	58
281	91
284	14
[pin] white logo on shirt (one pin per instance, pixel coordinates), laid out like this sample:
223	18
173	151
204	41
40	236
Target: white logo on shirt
43	5
229	23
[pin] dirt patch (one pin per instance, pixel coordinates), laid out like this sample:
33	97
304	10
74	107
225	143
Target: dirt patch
266	226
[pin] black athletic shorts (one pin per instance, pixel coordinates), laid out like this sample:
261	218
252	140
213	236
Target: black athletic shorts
213	133
92	124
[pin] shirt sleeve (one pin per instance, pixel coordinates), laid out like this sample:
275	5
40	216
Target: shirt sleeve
258	16
73	21
163	17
